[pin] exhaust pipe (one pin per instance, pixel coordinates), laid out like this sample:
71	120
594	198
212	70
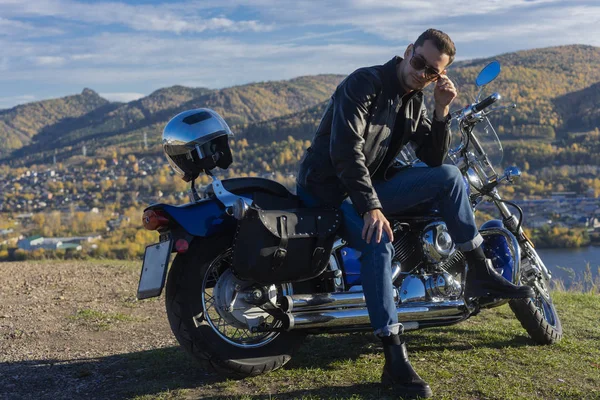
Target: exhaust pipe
326	301
322	301
409	313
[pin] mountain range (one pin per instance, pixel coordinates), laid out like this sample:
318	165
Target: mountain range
557	90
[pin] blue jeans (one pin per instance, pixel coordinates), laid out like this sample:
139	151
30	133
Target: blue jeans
441	187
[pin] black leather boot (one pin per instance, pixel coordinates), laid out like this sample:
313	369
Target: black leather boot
398	373
483	280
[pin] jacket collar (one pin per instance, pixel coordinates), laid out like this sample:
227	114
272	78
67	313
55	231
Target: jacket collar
391	80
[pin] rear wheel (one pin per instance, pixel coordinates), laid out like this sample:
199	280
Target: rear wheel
210	317
537	315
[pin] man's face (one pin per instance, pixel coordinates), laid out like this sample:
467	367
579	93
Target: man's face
435	60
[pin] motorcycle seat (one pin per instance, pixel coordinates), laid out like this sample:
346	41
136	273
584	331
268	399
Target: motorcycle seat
253	184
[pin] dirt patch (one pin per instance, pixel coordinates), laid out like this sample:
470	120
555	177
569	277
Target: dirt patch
73	329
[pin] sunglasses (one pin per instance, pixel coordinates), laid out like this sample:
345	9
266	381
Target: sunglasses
419	63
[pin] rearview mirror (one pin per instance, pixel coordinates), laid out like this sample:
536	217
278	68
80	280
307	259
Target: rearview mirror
488	74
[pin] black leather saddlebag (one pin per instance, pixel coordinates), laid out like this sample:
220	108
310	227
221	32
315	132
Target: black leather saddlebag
291	245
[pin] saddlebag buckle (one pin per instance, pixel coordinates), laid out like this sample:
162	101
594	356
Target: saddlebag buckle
278	257
317	256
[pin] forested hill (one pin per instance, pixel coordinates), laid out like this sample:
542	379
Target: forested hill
300	125
20	124
116	125
115	118
534	79
557	91
580	109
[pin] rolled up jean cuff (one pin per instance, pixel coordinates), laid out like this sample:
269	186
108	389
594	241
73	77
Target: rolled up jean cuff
471	244
389	330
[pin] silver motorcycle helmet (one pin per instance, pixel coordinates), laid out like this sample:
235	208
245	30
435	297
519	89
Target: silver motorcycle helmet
195	141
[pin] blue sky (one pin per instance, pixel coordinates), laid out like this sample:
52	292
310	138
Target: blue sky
127	49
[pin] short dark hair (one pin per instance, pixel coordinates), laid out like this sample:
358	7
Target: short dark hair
441	41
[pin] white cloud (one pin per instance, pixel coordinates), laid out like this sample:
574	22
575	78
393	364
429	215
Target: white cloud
7	26
125	97
82	57
163	17
49	61
310	36
387	18
307	37
20	29
403	21
396	21
551	26
128	59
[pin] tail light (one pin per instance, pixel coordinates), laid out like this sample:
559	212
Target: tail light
181	246
154	219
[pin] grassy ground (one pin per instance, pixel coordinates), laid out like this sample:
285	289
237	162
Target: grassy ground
73	330
487	357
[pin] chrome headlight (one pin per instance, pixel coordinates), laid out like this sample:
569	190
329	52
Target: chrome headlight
474	179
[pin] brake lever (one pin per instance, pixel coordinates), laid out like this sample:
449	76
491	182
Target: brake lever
491	110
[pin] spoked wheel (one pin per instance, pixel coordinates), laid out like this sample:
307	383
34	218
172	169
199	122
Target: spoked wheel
227	312
212	316
537	315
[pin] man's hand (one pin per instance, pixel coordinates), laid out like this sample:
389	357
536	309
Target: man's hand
376	222
443	95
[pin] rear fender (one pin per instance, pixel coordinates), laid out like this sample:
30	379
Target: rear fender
207	217
204	218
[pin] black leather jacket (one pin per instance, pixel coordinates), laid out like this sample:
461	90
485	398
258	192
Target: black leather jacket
355	133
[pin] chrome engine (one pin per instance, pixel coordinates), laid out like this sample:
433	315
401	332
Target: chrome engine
442	285
429	261
436	243
429	247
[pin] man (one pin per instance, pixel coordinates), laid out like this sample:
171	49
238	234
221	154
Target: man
372	114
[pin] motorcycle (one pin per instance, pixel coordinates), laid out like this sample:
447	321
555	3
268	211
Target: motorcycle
241	328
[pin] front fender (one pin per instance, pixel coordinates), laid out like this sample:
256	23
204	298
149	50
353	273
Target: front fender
204	218
502	247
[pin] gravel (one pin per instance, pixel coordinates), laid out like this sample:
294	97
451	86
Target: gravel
74	329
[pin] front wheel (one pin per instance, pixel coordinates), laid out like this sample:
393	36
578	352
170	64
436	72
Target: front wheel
537	315
211	322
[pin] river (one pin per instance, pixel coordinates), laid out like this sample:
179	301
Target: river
576	259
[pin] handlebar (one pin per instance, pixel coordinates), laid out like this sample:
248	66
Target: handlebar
488	101
469	116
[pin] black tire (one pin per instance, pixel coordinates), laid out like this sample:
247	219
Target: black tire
535	322
184	303
538	315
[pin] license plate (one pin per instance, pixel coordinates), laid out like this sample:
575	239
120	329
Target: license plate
154	270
